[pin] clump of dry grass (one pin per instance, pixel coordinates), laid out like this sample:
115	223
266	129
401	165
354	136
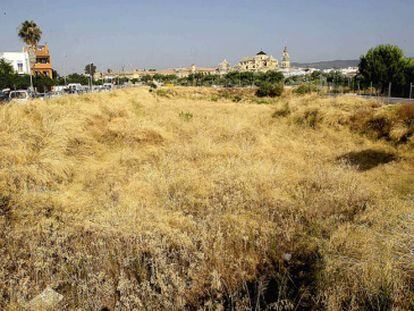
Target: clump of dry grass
391	123
118	201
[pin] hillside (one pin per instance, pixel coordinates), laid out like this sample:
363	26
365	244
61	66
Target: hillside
185	199
337	64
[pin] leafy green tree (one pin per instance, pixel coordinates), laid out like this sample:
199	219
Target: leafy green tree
77	78
146	78
316	75
6	73
273	76
5	68
382	65
43	83
409	70
55	75
10	79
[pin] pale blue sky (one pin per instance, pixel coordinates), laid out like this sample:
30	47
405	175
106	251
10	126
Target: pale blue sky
160	34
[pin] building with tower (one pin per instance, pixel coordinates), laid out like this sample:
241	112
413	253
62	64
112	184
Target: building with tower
261	62
43	63
285	63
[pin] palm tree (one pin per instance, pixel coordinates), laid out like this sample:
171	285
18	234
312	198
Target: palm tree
30	34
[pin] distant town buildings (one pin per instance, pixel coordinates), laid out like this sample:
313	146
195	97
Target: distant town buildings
261	62
18	60
181	72
21	61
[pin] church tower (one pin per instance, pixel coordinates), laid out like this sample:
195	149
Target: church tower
285	63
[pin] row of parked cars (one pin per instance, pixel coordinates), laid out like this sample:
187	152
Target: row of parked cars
7	95
17	95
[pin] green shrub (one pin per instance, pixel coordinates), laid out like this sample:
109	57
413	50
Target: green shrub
186	116
166	93
309	118
236	98
152	86
267	89
305	88
281	111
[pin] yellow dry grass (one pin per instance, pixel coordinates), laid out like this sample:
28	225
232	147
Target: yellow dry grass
131	200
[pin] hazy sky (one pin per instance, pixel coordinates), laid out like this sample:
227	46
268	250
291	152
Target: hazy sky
159	34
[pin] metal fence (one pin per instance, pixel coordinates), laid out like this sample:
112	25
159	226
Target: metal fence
389	93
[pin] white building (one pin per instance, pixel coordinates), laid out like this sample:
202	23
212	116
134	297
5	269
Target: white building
19	61
224	67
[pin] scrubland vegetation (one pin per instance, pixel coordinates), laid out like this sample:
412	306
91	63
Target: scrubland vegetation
206	199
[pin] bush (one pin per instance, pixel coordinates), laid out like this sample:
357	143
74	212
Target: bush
169	93
152	86
269	89
305	88
310	118
186	116
281	111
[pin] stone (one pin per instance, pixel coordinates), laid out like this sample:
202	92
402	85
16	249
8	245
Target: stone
46	300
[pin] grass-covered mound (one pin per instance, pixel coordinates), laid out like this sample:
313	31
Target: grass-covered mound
133	200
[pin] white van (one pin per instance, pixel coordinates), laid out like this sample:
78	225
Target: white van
19	95
75	88
108	86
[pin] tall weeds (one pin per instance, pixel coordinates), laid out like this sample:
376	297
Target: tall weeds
117	201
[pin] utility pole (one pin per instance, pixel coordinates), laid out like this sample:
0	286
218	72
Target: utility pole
389	92
411	90
64	67
90	74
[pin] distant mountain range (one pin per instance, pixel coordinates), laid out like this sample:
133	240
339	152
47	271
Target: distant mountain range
329	64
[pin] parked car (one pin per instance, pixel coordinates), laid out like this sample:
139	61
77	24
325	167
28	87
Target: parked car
59	88
4	97
19	95
108	86
40	96
75	88
54	94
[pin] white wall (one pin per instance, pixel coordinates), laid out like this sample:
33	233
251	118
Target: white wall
19	61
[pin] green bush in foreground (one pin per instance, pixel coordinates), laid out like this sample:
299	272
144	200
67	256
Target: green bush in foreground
305	88
269	89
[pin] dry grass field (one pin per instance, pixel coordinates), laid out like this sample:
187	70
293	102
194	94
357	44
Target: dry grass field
205	200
